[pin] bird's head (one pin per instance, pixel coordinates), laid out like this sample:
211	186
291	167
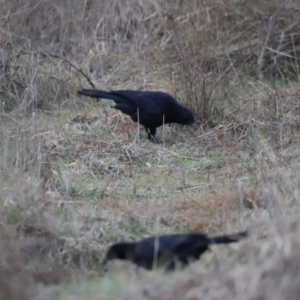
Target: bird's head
118	251
187	118
193	125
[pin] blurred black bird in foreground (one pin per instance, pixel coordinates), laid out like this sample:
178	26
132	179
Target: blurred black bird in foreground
149	108
167	250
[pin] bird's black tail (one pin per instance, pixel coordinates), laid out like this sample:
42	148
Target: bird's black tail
97	94
230	238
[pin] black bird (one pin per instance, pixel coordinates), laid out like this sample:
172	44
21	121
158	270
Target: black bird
167	250
150	108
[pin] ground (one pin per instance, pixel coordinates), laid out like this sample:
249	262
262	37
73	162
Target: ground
77	175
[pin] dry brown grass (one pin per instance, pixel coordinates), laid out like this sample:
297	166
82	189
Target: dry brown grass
77	175
14	280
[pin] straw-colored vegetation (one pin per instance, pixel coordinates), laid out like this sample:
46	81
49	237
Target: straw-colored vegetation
77	175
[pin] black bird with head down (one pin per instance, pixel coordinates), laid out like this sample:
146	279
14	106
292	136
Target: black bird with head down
167	250
150	108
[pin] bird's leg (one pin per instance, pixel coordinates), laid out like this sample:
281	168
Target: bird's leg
153	138
170	266
151	135
148	132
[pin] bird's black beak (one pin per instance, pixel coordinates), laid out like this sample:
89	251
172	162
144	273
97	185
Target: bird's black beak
193	125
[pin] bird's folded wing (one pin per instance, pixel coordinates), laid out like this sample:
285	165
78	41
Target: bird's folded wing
148	102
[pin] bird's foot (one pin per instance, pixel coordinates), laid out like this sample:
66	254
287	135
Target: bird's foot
153	138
